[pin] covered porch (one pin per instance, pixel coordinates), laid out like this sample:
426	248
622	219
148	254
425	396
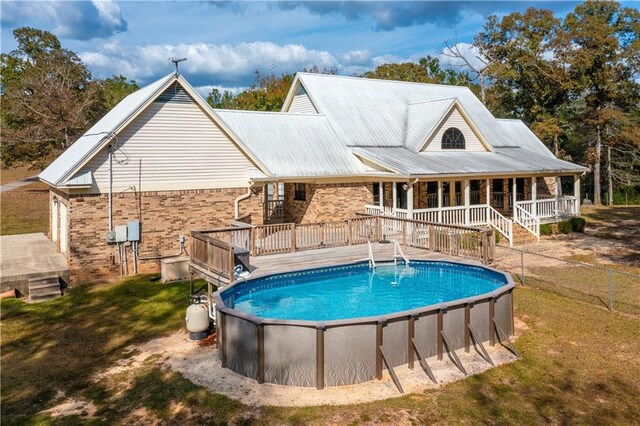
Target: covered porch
498	202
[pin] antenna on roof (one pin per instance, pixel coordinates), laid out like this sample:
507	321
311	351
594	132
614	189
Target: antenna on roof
176	61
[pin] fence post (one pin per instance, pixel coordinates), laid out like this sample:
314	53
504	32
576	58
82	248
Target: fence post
404	233
349	232
522	266
610	290
431	235
293	237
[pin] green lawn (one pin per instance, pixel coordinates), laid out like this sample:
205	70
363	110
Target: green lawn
580	366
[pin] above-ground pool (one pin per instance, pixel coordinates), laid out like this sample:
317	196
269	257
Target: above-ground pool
356	291
332	326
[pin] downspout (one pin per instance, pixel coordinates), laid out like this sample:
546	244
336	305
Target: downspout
110	189
243	197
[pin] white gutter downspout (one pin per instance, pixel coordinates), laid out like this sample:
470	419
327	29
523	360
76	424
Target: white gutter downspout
243	197
110	189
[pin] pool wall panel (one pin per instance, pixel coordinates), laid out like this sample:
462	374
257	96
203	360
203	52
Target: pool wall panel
453	327
425	334
394	342
480	320
349	354
290	355
503	313
241	346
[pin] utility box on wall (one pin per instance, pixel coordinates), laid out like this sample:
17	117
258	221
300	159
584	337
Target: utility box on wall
133	230
121	233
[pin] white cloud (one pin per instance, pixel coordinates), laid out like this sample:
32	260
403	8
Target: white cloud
229	63
206	89
357	57
80	20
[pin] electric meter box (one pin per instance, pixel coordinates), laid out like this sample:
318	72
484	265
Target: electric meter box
121	233
133	233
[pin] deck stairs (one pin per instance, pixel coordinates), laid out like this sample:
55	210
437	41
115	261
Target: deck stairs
522	235
44	288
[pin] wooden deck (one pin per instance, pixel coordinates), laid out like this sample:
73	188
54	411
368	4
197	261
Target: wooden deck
287	262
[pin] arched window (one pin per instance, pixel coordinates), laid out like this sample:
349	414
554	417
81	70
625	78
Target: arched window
452	139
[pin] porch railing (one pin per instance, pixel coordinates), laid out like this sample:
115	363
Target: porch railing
551	208
527	220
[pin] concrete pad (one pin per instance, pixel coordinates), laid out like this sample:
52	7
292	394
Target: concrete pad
27	256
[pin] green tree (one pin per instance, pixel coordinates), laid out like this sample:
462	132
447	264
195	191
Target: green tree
427	70
115	89
529	82
48	98
599	42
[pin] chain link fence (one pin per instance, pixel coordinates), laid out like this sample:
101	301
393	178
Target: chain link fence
613	289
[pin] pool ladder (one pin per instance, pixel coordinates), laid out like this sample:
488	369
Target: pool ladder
398	253
372	262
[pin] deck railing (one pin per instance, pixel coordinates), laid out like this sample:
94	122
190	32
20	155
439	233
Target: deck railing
214	250
470	242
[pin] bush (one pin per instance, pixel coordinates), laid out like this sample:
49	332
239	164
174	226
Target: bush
564	226
577	224
545	229
496	234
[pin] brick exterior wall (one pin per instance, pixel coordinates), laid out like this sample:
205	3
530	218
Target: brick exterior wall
327	202
164	217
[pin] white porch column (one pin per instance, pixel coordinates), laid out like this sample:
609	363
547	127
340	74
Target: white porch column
488	196
410	201
381	195
558	187
394	193
576	193
534	196
467	201
439	201
452	193
514	190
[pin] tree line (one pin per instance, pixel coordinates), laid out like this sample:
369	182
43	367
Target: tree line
574	80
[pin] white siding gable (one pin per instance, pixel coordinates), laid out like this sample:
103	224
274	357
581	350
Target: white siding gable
455	119
301	103
171	146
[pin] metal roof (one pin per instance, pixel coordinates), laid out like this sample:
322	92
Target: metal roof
524	137
502	160
87	144
371	112
292	144
422	118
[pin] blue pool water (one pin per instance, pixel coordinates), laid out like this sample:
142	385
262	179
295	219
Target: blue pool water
354	291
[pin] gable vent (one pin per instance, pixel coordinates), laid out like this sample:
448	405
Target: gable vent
174	94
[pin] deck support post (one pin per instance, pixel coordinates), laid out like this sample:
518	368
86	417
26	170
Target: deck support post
439	328
320	357
488	196
440	193
467	201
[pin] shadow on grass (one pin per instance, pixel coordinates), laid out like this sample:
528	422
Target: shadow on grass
61	344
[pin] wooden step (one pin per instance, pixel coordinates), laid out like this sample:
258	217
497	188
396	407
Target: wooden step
44	288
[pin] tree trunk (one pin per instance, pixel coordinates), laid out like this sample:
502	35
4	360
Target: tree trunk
597	190
482	94
555	145
609	176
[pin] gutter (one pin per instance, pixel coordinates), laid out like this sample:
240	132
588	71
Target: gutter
236	202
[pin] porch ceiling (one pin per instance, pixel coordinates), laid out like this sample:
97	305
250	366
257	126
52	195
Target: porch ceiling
501	161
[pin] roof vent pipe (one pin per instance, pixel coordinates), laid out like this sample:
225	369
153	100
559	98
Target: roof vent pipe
236	203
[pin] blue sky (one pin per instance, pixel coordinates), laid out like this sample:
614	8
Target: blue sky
226	42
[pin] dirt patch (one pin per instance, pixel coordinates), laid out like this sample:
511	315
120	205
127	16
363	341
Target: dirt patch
201	365
71	407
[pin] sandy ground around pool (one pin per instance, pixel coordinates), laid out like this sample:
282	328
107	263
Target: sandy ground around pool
201	365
